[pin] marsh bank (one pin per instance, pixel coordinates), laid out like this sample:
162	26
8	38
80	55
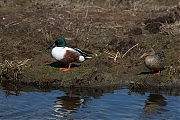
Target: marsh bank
116	39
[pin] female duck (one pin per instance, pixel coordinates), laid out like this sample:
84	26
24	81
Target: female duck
154	61
66	54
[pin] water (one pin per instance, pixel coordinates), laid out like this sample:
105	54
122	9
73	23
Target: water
103	103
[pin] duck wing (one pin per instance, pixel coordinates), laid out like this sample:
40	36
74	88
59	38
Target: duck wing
161	57
82	52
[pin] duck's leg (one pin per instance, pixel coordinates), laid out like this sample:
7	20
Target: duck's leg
66	69
158	73
70	94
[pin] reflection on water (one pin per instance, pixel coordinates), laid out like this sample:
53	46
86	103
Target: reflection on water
18	101
11	88
153	104
66	105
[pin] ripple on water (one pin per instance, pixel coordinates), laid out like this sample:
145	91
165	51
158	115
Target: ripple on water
117	104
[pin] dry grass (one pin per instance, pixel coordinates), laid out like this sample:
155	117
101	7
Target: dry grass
112	55
170	29
173	70
13	69
117	55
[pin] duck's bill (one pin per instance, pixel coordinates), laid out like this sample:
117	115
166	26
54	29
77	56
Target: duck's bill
144	55
52	46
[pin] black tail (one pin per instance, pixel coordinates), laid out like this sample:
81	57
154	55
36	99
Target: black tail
83	53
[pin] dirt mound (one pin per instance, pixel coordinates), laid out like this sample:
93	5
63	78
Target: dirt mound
154	25
121	45
136	31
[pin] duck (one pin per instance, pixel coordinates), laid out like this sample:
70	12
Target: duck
154	61
65	54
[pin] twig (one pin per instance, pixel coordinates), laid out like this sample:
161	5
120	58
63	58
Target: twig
14	22
21	63
86	13
130	49
116	56
8	63
113	56
107	27
93	7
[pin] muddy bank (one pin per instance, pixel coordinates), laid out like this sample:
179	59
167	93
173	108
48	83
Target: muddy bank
116	39
15	88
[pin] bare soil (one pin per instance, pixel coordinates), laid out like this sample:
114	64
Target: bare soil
116	33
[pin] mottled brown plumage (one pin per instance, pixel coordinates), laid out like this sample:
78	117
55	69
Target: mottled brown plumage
154	61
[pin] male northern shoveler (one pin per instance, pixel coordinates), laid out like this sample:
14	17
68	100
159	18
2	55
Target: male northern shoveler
66	54
154	61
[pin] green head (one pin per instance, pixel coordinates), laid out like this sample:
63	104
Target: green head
60	42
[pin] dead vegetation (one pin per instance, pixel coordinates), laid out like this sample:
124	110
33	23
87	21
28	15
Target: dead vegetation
13	69
118	55
170	29
173	70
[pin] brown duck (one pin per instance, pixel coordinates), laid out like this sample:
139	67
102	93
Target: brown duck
154	61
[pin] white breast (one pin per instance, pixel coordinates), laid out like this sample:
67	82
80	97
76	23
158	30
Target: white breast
58	52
